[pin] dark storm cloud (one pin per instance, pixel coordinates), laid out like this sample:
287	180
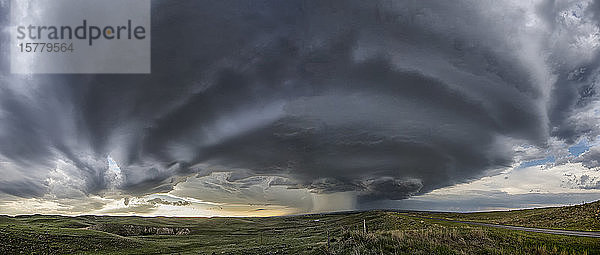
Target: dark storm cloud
577	78
385	98
590	158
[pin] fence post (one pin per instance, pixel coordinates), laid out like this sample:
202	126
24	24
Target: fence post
365	226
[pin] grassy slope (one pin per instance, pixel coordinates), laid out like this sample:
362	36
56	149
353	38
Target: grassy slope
579	217
389	233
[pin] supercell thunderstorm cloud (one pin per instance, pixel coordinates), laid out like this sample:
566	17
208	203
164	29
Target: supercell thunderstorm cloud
297	105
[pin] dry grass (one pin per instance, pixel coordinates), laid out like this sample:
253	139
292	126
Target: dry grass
442	240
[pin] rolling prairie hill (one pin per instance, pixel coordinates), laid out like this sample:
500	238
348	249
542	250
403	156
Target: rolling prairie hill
388	232
583	217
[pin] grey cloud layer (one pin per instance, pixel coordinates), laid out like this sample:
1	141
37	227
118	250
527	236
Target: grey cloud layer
386	98
485	201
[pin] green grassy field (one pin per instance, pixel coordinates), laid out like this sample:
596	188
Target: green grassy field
342	233
584	217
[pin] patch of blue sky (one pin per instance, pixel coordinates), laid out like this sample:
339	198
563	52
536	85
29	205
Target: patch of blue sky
579	148
537	162
112	165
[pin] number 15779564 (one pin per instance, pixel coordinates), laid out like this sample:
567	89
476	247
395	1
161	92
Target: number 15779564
46	47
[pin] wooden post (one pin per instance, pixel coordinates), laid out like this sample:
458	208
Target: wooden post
328	239
365	226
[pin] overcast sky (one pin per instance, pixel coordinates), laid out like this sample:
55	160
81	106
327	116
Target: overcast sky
286	107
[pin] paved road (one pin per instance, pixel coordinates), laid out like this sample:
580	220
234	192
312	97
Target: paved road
538	230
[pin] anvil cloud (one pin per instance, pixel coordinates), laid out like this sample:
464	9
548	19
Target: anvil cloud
382	100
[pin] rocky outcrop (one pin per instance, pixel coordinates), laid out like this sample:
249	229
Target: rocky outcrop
137	230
